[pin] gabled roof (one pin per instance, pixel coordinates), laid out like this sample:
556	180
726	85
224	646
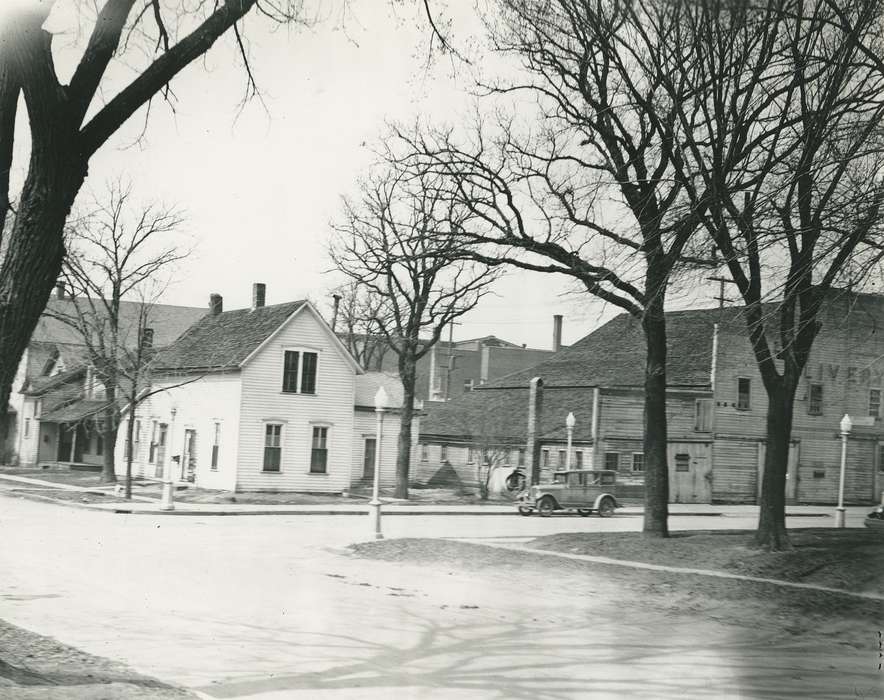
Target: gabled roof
40	386
225	340
614	354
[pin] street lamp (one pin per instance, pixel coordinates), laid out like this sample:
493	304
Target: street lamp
569	426
168	501
846	426
380	405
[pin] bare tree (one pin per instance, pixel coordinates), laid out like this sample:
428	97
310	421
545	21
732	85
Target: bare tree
359	322
795	158
590	190
118	263
395	241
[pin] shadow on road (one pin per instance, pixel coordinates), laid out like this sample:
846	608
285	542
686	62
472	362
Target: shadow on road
521	661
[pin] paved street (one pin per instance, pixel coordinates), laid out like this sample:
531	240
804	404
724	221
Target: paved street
270	607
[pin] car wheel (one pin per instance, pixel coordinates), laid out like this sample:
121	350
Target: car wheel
546	506
606	507
525	510
584	512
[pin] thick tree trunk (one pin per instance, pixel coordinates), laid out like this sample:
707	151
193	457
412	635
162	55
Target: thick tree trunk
407	375
771	532
109	434
656	468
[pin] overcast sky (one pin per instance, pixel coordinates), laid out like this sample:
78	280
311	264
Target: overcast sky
259	185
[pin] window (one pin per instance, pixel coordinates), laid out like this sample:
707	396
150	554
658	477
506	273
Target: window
563	459
272	447
703	415
443	453
815	404
425	452
152	453
126	442
544	458
875	402
744	387
27	427
638	461
136	435
319	453
472	455
299	372
308	373
290	371
682	462
216	442
521	461
612	460
578	459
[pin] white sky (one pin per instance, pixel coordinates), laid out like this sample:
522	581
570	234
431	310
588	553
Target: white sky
259	187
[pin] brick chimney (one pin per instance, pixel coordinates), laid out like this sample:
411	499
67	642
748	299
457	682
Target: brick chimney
259	292
216	304
557	333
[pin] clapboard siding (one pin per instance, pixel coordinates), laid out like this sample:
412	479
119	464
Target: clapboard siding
199	405
735	471
820	467
365	426
263	401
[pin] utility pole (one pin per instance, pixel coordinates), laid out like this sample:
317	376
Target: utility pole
721	282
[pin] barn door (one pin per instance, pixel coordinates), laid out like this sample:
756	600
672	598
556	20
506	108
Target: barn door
690	472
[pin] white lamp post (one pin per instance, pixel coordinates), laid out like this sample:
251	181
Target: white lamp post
569	426
168	501
846	426
380	405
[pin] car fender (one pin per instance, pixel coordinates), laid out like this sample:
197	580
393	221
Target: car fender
599	498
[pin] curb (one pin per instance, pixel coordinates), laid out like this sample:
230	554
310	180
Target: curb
711	573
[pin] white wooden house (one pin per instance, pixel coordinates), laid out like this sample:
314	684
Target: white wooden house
260	399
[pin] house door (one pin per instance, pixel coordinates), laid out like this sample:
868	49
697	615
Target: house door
368	461
690	472
65	442
162	429
188	456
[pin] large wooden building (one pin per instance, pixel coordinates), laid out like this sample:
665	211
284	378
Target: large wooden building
717	408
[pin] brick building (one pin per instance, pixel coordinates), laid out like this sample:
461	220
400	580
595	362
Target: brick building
716	410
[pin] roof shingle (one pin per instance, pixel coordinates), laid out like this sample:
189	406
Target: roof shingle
223	341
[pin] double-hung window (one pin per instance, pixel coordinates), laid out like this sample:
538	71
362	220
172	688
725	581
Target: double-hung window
299	372
319	452
744	399
215	445
272	447
875	402
815	404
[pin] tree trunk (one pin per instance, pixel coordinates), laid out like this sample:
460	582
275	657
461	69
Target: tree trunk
130	434
771	533
111	425
407	375
656	469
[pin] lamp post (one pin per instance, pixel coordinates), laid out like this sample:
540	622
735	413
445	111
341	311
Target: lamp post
846	426
569	426
168	500
380	405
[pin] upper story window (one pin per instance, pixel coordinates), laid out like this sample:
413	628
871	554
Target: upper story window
744	397
425	452
612	460
578	459
638	461
815	402
299	372
875	402
563	459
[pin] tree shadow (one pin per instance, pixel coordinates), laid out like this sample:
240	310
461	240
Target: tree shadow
527	660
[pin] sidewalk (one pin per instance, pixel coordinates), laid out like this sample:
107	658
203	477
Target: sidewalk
144	505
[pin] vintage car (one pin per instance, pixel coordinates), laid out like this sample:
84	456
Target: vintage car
875	519
581	490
